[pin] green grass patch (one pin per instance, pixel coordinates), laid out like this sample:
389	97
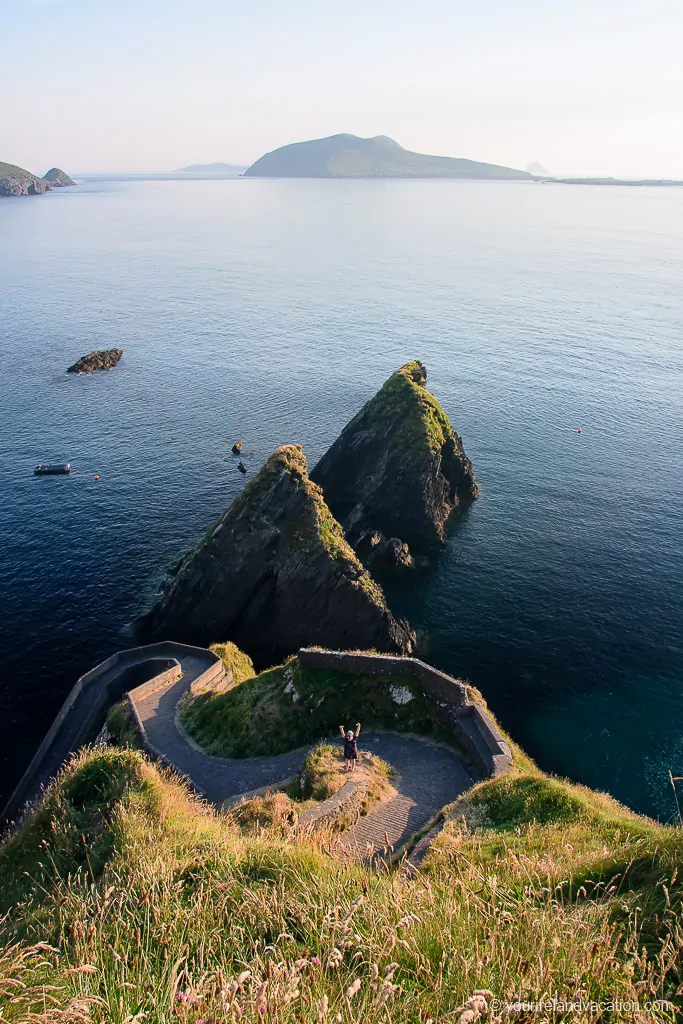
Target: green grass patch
288	706
122	726
418	422
235	661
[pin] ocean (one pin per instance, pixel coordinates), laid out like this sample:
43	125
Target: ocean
269	311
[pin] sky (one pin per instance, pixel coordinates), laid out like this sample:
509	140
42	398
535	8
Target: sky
586	87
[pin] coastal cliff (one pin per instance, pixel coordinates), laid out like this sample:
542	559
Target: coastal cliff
397	471
15	181
275	573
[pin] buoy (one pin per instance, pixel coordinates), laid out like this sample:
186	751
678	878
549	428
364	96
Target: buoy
96	476
579	430
237	448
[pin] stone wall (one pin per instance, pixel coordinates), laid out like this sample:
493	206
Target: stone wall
81	714
472	727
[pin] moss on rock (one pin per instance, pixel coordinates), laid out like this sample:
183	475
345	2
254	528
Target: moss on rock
275	573
398	467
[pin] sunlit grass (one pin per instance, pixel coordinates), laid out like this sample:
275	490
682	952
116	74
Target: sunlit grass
159	910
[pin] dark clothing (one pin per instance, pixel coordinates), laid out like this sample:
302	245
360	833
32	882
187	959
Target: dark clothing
350	749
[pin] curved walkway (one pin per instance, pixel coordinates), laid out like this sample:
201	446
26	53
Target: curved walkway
217	778
429	776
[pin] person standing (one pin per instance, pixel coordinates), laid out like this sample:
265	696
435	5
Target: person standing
350	747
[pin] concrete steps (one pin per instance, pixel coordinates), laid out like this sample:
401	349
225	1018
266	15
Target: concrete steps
382	831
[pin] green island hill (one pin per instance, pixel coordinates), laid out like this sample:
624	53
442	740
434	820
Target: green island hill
348	156
229	170
58	178
16	181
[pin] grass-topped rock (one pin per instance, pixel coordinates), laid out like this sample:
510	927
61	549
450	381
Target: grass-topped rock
275	573
58	178
397	471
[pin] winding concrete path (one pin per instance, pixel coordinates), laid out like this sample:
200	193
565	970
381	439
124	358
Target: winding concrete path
218	778
429	775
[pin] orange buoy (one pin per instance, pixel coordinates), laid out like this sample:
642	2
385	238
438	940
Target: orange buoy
579	430
96	476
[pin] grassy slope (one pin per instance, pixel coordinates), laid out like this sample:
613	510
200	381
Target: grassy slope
418	418
260	716
322	775
153	909
235	661
7	169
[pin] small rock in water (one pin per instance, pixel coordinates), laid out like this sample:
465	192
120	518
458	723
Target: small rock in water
242	468
98	360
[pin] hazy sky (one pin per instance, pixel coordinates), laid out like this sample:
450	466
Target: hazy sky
583	86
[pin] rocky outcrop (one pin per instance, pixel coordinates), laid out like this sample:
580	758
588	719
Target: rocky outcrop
15	181
57	178
98	360
397	471
275	573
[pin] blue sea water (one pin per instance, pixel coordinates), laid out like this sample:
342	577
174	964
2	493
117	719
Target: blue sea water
270	311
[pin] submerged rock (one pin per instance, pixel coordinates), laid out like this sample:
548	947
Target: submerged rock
386	554
275	573
98	360
398	468
58	178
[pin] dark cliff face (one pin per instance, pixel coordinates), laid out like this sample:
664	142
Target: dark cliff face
275	573
397	470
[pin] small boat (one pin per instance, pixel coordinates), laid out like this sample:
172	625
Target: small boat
43	469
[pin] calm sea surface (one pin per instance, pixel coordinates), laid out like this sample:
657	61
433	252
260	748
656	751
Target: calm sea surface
270	311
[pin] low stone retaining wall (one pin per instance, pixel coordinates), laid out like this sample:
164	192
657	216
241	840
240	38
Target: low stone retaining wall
436	683
345	801
472	727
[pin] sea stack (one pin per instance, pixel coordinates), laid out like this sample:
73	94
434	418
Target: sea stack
275	573
397	471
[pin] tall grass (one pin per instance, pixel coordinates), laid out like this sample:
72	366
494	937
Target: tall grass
186	918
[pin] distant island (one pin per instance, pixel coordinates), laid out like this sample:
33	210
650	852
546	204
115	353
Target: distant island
17	181
615	181
218	168
538	170
348	156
